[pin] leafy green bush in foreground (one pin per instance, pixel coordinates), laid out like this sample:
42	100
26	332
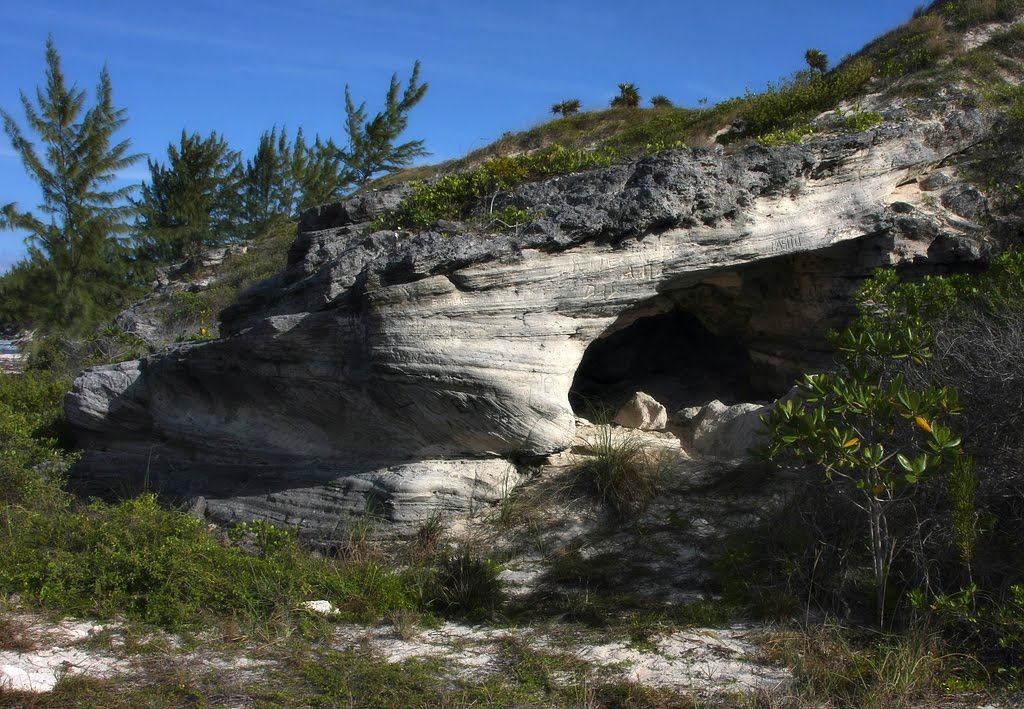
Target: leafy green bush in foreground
881	431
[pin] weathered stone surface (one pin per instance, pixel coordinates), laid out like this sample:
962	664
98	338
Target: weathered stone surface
727	433
154	319
385	349
642	411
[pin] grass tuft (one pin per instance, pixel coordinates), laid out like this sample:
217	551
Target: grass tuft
622	473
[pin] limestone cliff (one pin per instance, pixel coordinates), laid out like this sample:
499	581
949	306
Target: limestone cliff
414	371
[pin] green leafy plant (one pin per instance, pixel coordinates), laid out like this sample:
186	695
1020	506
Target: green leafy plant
661	101
858	120
791	136
874	436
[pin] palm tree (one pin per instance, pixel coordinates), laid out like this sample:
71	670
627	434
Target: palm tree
660	101
629	97
817	60
567	108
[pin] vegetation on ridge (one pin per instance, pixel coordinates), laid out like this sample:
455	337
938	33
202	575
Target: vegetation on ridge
908	529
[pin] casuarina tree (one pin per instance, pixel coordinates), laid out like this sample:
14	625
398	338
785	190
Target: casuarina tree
76	238
372	144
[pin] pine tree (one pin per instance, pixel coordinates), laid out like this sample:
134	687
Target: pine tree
284	178
372	146
76	244
193	203
325	177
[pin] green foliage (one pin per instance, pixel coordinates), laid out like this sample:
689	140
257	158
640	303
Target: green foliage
797	101
661	101
858	120
629	97
285	178
193	203
653	131
990	628
371	147
964	515
32	462
569	107
876	439
970	13
454	196
77	270
817	61
166	568
791	136
916	46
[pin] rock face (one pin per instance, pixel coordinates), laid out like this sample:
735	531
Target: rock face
401	371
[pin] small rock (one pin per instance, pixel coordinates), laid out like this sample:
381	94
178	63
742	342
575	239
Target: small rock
324	608
642	412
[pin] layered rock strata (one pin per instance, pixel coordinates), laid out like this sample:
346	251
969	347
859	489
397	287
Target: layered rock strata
400	372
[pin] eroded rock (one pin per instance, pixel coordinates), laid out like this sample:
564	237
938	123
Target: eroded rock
410	366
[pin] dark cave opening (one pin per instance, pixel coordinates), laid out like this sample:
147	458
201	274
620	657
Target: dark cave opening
672	357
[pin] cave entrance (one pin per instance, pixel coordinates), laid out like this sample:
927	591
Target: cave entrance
672	357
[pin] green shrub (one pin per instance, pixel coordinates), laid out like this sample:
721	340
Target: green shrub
858	120
792	136
32	462
989	627
798	100
970	13
456	196
166	568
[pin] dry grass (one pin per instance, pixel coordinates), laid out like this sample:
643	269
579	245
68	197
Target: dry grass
17	634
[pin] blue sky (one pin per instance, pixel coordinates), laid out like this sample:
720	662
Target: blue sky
241	67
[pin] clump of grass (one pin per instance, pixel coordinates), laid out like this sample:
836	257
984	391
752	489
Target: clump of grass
16	635
622	473
425	542
465	585
843	668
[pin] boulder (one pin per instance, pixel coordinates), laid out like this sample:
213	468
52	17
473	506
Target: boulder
727	433
643	412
